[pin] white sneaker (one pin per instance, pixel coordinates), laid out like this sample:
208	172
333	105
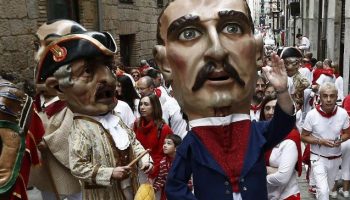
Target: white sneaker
344	193
333	194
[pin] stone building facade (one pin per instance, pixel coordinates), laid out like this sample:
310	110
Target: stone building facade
133	23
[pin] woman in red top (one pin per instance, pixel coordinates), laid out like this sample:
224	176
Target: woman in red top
151	130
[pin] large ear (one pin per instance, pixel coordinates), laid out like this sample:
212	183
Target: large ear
52	88
259	44
159	54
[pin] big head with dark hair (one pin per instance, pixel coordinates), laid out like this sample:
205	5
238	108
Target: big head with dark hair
206	47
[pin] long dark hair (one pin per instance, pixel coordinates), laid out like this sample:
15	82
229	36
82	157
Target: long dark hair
156	110
129	93
266	100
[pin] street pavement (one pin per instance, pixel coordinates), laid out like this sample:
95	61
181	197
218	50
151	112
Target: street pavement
34	194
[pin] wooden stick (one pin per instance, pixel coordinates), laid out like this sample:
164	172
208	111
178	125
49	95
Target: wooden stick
138	157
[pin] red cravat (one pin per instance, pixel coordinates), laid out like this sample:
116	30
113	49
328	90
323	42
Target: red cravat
228	145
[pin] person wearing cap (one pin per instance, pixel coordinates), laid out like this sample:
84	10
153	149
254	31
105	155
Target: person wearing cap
79	67
297	83
57	120
325	128
303	43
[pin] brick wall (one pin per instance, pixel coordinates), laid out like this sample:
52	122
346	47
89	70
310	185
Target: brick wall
18	23
20	19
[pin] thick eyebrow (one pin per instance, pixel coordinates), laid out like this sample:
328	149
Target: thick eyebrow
182	21
233	13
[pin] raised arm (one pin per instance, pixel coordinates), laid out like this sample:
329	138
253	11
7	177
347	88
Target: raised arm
277	76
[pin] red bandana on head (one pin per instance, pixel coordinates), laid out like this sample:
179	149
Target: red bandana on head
324	114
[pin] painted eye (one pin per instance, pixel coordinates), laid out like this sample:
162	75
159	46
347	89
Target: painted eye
189	34
232	28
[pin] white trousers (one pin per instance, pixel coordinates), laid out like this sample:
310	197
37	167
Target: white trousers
52	196
345	166
325	172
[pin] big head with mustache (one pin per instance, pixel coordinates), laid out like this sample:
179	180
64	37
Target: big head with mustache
208	49
79	67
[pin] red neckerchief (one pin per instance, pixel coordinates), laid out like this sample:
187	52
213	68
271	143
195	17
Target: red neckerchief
255	108
228	145
336	75
346	104
324	114
147	135
327	72
54	108
119	72
294	135
308	66
318	72
158	92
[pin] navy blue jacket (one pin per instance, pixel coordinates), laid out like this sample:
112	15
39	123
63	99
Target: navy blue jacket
210	181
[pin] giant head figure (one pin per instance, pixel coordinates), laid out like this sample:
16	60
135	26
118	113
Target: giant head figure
79	67
208	49
15	112
52	30
47	33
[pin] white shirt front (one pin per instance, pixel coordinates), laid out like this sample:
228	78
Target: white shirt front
324	78
125	113
306	73
255	115
304	43
326	128
172	115
339	84
283	183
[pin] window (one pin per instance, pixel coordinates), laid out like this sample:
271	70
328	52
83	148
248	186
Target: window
63	9
126	1
160	3
126	48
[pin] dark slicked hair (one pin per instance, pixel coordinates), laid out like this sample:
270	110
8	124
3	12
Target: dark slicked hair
160	40
175	138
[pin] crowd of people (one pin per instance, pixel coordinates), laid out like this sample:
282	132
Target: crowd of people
193	126
322	125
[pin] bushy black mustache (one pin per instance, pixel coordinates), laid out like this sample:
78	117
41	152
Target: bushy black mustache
209	68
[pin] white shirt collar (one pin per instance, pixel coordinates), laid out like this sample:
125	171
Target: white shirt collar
111	122
218	121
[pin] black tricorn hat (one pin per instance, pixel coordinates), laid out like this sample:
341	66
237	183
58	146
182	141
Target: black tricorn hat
75	46
291	52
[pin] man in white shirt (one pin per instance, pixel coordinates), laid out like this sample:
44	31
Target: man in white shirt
125	112
325	128
304	42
